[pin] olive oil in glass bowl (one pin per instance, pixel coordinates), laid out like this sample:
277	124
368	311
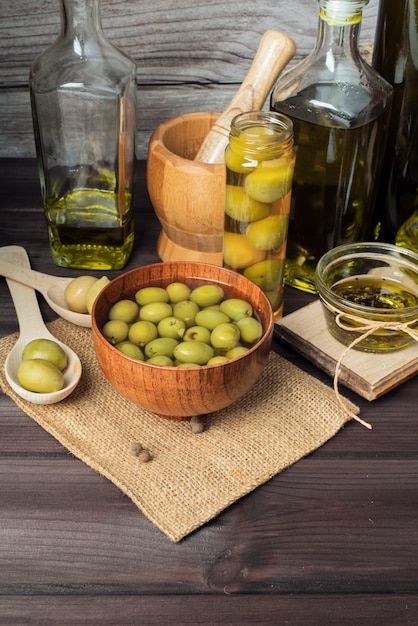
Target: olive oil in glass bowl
370	288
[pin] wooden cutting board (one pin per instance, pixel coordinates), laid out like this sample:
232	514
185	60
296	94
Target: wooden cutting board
369	375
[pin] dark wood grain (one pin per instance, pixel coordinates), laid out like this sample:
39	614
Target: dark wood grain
66	530
233	610
191	56
331	540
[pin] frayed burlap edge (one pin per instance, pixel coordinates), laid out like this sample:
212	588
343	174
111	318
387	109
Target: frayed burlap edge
191	477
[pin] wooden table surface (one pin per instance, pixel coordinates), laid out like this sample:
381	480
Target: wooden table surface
331	540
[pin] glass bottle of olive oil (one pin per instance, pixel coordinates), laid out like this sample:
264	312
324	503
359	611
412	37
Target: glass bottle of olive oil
83	95
407	235
395	57
339	106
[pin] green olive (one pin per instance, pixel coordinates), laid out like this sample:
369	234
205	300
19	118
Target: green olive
46	349
225	336
267	274
236	308
151	294
186	310
219	358
238	252
268	233
130	349
171	327
178	291
115	331
161	360
75	294
197	333
237	351
40	376
207	295
142	332
240	207
271	180
250	329
125	310
155	311
210	318
193	352
94	291
236	162
161	346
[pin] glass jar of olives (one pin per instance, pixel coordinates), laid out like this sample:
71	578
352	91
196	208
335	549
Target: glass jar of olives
259	161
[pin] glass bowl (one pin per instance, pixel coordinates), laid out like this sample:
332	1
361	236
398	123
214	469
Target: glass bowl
370	290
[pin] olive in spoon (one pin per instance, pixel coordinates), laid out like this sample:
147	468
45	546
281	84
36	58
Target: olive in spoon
32	326
51	287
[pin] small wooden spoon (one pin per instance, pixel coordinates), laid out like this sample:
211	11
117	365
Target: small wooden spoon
32	326
51	287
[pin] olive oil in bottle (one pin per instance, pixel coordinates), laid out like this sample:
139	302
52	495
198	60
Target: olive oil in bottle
83	96
395	57
90	226
407	235
339	107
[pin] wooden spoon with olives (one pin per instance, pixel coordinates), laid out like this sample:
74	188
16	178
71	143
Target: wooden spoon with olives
42	376
53	288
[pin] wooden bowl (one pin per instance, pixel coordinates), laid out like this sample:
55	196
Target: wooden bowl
187	196
180	393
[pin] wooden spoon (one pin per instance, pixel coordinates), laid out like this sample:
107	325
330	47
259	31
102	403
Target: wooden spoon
17	267
274	52
32	326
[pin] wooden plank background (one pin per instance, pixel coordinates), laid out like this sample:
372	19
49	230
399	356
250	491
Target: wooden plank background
191	54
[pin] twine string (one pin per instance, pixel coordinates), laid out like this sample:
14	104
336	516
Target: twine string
368	329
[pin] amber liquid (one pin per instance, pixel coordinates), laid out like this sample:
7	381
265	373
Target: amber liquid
407	235
375	292
90	228
388	296
335	179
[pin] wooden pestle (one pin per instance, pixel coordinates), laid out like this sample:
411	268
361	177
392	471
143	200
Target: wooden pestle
274	52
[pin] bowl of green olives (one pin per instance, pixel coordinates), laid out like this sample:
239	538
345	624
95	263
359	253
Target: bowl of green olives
182	339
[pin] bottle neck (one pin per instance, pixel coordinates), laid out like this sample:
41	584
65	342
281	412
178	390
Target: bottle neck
339	26
342	12
80	19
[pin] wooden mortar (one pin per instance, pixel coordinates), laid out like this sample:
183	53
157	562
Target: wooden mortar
187	196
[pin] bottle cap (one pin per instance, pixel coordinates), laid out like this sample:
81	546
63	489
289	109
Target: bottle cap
342	12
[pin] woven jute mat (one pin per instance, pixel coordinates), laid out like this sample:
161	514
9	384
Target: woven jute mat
191	477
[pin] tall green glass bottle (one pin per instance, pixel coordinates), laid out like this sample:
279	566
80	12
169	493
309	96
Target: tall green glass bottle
395	57
339	106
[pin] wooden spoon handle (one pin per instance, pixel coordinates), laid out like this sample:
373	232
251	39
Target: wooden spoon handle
24	298
274	52
14	266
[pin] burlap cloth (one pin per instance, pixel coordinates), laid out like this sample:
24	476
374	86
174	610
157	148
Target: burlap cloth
191	477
